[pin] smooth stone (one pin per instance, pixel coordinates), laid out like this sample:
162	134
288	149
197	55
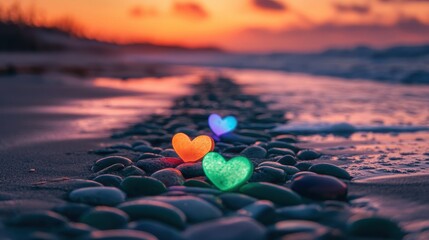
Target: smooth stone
151	165
234	149
195	208
126	146
283	145
286	138
169	176
289	170
158	229
195	190
259	135
235	201
330	169
300	212
155	210
190	170
38	219
274	193
140	142
280	152
108	196
319	187
254	152
375	228
223	146
104	218
143	148
121	234
135	186
287	160
308	154
75	231
235	138
115	168
132	171
283	228
213	200
268	174
149	155
262	211
72	211
109	180
303	166
196	183
303	173
108	161
230	228
169	153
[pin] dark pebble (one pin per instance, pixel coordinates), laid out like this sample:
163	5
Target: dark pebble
235	201
196	183
268	174
254	152
108	196
108	161
190	170
132	171
135	186
287	160
104	218
169	176
72	211
39	219
280	152
109	180
289	170
262	211
274	193
303	166
375	228
330	169
308	154
158	229
151	165
319	187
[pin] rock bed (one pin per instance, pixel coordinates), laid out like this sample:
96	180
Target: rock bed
142	190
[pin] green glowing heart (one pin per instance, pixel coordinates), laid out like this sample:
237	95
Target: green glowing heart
227	175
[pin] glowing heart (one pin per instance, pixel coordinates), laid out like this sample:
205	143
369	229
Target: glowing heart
221	126
227	175
192	150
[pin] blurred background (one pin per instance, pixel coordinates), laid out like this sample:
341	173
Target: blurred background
374	39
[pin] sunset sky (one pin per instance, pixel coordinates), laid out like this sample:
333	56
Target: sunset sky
247	25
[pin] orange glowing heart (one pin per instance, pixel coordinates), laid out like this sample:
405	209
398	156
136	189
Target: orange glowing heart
192	150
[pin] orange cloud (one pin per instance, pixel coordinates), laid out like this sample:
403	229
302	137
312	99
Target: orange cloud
141	11
271	5
361	9
190	10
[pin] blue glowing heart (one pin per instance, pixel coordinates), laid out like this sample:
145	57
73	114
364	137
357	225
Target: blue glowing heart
221	126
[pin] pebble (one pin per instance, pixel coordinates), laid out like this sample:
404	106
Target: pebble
313	229
195	190
126	146
375	228
234	149
104	218
190	170
109	180
262	211
109	161
303	166
140	142
38	219
121	234
289	170
286	138
155	210
158	229
196	183
231	228
151	165
283	145
254	152
301	212
132	171
268	174
169	176
330	169
308	154
108	196
69	184
287	160
149	155
235	138
274	193
319	187
72	211
135	186
115	168
75	231
235	201
280	152
143	148
169	153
